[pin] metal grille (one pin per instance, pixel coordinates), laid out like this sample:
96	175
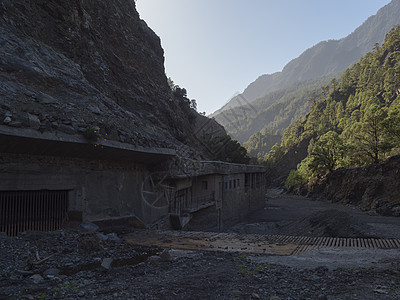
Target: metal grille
252	243
32	210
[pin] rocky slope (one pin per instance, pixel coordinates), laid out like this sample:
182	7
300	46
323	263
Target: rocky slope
82	66
374	187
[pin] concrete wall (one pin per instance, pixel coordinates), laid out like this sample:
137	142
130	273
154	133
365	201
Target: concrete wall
255	191
234	204
242	194
204	188
204	219
235	196
97	189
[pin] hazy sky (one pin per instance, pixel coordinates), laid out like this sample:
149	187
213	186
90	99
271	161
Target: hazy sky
215	48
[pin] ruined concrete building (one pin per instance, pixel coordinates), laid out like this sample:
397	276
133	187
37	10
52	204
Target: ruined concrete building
89	126
217	194
46	180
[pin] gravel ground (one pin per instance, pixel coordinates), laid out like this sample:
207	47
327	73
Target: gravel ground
79	264
80	271
295	215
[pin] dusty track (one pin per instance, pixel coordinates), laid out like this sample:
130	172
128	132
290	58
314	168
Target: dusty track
299	216
252	243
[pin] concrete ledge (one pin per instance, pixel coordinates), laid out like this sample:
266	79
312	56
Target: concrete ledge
29	141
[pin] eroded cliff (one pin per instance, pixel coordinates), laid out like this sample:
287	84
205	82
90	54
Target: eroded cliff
374	187
89	68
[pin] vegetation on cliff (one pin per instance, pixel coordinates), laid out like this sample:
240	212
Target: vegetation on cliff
261	143
215	144
272	112
353	122
275	101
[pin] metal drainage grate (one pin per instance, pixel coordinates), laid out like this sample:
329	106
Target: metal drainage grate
252	243
32	210
308	243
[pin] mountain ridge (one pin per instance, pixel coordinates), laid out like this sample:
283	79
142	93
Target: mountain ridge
347	147
310	64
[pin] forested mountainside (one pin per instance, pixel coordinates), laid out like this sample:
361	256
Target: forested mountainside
325	58
272	113
277	100
94	70
259	144
352	123
374	187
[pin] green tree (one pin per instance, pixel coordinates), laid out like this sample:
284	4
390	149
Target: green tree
193	104
275	154
304	169
391	124
295	179
223	148
326	154
369	135
355	121
261	143
171	83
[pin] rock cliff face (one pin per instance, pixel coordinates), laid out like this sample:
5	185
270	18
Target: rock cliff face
276	177
373	187
82	66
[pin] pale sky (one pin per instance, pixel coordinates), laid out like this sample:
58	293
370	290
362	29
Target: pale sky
215	48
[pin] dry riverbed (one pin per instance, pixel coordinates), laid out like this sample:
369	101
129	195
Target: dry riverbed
80	264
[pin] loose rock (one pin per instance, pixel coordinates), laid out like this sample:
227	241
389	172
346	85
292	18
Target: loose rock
7	120
51	272
106	263
90	226
37	278
165	256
